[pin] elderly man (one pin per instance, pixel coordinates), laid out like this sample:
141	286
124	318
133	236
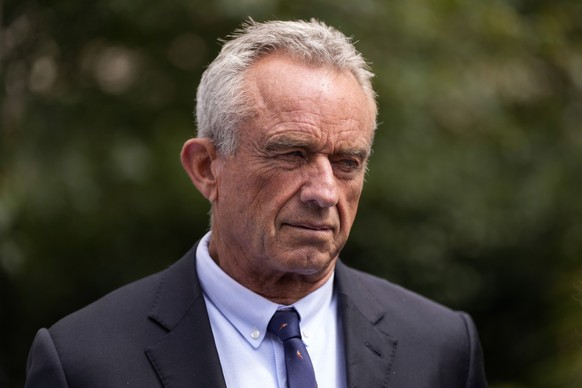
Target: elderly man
286	118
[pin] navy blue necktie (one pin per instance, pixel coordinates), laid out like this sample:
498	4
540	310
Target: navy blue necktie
285	325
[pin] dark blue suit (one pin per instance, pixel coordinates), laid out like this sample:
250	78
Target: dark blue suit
156	333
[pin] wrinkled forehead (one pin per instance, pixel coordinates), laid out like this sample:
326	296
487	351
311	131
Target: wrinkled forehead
279	83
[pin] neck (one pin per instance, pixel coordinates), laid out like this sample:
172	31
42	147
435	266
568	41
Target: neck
288	289
281	287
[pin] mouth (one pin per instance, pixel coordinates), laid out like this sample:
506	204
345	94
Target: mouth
308	226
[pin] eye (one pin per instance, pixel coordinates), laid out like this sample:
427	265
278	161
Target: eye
348	165
296	154
291	158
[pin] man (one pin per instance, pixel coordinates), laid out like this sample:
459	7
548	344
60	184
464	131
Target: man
286	118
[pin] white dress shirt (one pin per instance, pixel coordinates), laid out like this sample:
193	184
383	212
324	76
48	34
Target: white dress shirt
251	357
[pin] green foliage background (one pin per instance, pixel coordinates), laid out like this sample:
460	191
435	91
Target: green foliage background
473	196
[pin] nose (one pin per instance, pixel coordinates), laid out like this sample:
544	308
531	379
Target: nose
320	186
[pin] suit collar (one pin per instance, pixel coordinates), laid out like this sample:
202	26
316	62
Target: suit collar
187	355
369	350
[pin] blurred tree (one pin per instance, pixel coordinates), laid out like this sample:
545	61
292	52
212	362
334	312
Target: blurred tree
473	192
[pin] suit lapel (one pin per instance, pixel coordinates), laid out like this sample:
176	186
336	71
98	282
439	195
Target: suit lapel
187	355
369	351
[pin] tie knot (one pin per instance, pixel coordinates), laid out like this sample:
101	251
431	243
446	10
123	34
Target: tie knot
285	324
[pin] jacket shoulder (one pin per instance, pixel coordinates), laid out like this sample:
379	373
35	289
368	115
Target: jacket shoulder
399	311
127	302
436	345
105	342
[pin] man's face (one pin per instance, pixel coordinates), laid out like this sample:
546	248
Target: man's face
286	201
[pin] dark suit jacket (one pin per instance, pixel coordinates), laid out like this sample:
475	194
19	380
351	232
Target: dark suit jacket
156	333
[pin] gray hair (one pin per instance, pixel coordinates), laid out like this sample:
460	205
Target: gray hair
222	101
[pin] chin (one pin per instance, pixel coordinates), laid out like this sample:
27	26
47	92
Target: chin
310	263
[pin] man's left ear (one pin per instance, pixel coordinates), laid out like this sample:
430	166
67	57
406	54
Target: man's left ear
198	156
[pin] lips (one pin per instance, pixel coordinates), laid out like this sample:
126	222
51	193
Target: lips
317	227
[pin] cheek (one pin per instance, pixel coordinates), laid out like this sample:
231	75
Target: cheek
277	186
236	196
351	200
262	196
354	191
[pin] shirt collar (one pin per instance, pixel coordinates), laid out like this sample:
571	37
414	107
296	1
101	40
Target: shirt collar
247	311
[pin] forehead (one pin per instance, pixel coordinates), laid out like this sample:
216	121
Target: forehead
295	100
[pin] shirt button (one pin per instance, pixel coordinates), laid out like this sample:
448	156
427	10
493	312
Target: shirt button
306	333
255	334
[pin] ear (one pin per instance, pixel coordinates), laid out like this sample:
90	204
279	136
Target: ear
199	159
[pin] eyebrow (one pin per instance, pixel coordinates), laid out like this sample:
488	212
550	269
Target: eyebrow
357	152
281	143
284	142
